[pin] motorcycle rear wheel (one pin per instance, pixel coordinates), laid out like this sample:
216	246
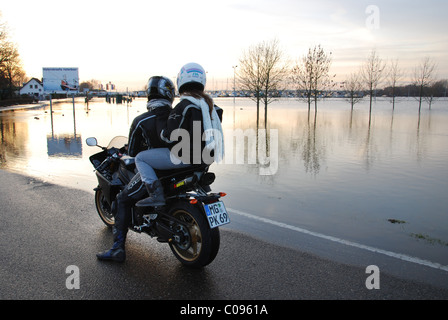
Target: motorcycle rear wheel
103	208
200	244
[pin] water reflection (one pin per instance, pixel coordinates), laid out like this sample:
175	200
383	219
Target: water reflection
340	172
313	151
65	146
13	137
345	173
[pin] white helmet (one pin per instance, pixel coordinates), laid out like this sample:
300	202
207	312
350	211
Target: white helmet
193	74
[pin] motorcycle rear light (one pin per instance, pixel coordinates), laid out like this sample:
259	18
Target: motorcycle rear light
222	194
193	201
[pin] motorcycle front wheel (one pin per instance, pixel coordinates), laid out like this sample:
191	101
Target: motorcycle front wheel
197	245
103	208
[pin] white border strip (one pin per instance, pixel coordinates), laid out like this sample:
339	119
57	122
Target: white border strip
400	256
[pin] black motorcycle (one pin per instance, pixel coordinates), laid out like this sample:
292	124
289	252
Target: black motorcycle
190	220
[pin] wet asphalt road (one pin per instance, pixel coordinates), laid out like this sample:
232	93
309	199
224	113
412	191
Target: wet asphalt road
46	228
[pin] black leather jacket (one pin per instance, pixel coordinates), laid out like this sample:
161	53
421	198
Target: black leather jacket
183	116
145	130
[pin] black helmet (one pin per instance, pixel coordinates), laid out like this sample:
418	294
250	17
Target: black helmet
160	88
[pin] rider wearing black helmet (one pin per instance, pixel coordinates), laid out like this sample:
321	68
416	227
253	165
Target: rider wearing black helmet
144	134
145	129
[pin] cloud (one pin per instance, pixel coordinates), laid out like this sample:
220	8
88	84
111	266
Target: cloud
129	41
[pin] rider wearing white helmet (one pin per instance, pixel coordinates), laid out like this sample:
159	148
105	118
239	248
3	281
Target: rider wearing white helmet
191	75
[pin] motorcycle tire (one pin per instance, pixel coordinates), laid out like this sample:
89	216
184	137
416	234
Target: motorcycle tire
103	208
200	244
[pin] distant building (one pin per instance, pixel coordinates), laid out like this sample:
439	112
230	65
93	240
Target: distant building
34	87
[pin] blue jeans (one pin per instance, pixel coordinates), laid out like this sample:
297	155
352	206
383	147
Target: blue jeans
159	159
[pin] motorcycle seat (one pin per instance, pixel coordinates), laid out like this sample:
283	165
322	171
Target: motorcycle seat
129	162
183	171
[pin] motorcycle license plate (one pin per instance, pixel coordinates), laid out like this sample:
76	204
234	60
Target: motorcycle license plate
216	214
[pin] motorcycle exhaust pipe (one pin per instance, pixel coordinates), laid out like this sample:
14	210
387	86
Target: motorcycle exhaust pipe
184	184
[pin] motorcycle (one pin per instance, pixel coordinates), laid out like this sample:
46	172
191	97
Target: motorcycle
190	220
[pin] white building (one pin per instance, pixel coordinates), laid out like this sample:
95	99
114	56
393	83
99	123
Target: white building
34	87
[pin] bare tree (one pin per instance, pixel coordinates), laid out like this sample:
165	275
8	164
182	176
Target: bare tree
311	74
11	70
423	78
394	75
430	96
353	87
261	73
302	78
274	74
90	85
372	74
250	74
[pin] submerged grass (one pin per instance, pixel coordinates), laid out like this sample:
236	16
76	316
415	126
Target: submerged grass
429	239
420	236
396	221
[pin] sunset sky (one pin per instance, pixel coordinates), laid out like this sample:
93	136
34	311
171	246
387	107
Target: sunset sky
126	42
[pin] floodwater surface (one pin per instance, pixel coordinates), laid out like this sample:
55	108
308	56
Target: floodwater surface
379	181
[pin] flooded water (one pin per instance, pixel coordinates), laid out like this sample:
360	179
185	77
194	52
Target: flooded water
382	184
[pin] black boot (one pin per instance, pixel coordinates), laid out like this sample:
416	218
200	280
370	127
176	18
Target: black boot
117	252
156	197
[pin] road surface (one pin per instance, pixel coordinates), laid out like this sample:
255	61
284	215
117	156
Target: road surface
49	236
